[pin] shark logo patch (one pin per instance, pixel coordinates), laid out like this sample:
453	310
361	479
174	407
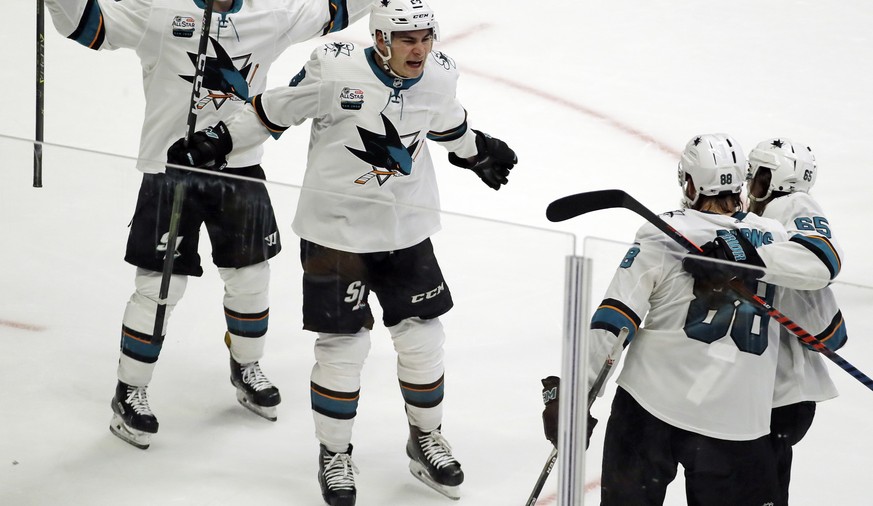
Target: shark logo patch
338	49
386	153
222	77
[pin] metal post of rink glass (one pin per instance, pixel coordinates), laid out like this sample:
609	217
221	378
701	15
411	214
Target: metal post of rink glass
573	405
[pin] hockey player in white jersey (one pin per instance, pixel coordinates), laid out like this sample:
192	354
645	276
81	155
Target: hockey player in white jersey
368	207
781	174
697	381
246	37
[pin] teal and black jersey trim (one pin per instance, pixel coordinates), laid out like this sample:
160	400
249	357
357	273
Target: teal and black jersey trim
395	83
139	346
823	249
612	315
247	324
237	5
451	134
275	130
339	16
423	396
91	31
835	336
333	404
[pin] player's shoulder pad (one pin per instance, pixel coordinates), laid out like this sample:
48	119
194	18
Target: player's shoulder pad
762	222
802	203
327	59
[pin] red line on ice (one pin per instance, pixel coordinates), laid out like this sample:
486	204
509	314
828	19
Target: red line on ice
553	497
22	326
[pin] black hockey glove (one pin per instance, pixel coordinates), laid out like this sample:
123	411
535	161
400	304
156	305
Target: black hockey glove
551	387
206	149
494	160
727	246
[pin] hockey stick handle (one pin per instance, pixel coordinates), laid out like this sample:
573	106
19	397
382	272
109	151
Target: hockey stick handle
169	258
613	356
179	191
201	69
800	333
40	94
581	203
544	475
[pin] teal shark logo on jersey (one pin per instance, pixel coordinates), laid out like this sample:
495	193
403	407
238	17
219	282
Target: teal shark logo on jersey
386	153
221	77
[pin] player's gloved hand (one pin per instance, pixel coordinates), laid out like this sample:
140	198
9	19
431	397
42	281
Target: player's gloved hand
493	160
551	387
206	149
732	247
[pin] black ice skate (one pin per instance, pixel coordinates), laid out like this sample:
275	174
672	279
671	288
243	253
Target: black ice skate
133	420
432	462
336	475
253	390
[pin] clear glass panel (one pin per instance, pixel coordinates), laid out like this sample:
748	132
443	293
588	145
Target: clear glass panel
66	286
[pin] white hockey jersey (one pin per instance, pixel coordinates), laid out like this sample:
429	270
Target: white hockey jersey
704	365
802	373
165	34
369	183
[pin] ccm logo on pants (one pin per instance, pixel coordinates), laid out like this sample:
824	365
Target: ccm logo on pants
429	294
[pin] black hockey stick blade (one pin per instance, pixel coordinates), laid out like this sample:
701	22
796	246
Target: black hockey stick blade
572	206
576	205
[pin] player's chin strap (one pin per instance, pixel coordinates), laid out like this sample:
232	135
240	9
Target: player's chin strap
385	66
760	199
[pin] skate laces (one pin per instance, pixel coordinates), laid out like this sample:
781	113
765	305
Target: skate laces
436	449
339	472
138	400
254	377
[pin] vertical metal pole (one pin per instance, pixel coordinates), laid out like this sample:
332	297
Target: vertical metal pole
40	93
573	400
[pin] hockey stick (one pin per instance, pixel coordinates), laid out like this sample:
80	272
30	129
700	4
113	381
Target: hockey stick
40	93
179	191
544	475
581	203
592	394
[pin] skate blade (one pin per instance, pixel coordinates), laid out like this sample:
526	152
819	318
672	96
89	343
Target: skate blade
420	472
268	412
137	438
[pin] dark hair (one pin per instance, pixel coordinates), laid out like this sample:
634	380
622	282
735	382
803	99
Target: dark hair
761	181
723	203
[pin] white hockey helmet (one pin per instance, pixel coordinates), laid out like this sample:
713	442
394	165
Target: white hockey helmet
792	166
389	16
715	163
